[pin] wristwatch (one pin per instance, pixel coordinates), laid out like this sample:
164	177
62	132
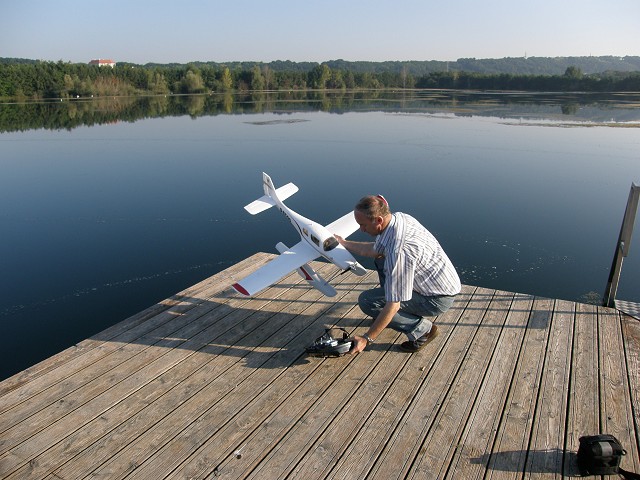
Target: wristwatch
367	338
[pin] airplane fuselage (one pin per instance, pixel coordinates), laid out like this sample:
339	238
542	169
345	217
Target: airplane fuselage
318	237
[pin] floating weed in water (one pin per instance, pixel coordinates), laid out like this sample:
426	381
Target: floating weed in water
508	259
278	122
593	298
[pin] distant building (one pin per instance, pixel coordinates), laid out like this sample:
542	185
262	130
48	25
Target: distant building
103	63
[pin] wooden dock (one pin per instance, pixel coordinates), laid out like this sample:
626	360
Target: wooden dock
207	384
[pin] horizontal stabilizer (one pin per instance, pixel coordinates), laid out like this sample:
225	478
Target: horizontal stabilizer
266	201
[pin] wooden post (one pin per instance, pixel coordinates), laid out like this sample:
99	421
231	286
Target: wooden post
623	245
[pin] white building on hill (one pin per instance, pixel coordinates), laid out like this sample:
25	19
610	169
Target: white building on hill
103	63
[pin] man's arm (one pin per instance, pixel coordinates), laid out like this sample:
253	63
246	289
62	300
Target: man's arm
385	316
382	320
364	249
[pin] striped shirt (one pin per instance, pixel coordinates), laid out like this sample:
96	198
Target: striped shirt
414	260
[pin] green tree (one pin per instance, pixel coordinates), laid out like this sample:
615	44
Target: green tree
227	80
336	81
192	82
209	77
69	86
319	76
257	79
368	80
269	77
349	80
573	73
156	83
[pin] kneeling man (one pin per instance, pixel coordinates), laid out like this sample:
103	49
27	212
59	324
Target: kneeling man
417	279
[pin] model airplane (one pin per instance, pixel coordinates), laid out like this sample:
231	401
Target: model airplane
315	241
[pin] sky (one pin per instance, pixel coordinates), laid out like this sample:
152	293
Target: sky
162	31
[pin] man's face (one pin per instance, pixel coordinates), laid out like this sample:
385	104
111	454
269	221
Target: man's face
371	226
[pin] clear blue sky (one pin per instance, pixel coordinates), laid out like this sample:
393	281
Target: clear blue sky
163	31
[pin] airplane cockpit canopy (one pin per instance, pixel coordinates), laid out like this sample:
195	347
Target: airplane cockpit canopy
329	244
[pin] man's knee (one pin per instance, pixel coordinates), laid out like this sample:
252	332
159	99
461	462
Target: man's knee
371	301
363	302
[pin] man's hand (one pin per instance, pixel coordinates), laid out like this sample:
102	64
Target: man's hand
382	320
358	344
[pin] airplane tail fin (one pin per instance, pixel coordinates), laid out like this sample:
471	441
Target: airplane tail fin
271	194
268	186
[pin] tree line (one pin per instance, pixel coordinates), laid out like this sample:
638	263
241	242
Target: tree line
45	80
417	68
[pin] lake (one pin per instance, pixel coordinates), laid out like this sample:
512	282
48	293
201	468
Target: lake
110	205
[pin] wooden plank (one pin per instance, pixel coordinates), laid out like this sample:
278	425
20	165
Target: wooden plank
277	384
362	410
263	422
631	336
220	350
211	385
396	459
134	358
583	417
474	450
132	383
220	399
546	447
443	439
511	444
615	405
374	433
297	441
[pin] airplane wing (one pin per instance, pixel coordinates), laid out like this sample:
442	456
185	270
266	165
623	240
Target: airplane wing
277	268
344	226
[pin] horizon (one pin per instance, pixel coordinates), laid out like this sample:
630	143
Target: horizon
318	62
370	31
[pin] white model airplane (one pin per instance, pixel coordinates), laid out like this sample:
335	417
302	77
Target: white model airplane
315	241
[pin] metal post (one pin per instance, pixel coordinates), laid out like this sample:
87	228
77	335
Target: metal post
623	245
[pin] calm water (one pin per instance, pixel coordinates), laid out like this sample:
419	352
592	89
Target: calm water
99	222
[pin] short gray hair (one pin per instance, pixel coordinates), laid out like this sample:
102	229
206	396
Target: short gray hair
373	206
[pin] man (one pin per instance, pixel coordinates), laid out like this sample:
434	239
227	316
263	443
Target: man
417	279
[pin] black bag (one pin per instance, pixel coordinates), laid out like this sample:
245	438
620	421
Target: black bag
601	455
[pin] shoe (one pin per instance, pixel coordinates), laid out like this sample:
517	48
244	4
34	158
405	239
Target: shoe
413	346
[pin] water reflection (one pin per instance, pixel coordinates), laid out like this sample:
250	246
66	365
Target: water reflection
99	223
69	114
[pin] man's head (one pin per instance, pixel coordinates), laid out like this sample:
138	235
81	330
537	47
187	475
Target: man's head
372	214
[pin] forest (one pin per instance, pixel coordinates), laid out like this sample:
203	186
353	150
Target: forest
33	80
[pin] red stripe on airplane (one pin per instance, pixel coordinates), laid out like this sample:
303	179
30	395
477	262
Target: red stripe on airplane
240	289
306	275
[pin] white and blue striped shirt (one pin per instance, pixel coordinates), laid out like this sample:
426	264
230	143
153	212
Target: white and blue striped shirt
414	260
